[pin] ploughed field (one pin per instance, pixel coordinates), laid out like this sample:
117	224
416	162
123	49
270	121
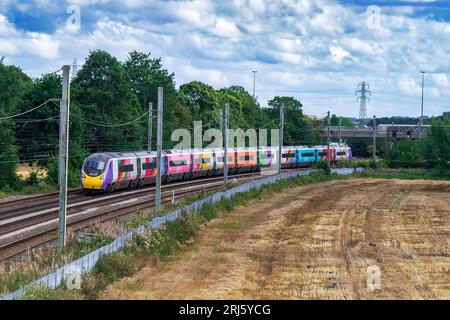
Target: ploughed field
321	241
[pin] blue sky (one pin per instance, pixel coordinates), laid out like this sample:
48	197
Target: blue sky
315	50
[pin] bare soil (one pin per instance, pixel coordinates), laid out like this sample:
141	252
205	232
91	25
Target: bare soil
314	242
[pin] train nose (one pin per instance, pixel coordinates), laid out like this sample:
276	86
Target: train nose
89	182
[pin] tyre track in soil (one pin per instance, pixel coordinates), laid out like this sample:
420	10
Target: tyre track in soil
313	242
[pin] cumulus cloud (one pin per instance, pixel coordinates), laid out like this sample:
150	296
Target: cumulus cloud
299	46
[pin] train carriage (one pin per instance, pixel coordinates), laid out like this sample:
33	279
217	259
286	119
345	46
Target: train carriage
148	172
288	157
322	153
202	163
179	164
246	159
306	156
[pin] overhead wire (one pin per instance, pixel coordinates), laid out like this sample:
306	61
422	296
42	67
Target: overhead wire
28	111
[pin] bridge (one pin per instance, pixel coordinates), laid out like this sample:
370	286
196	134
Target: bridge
391	132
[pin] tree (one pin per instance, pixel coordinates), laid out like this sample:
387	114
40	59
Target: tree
406	154
334	121
201	100
249	113
298	128
147	74
436	145
104	93
14	85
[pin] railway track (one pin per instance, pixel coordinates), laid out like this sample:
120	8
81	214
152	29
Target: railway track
23	229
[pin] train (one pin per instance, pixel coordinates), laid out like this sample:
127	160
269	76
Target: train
110	171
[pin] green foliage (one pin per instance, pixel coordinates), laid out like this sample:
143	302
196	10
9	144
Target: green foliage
322	165
45	293
33	178
334	121
298	128
405	154
436	146
104	93
14	84
409	174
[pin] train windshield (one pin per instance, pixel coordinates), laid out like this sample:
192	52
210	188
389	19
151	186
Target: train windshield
95	165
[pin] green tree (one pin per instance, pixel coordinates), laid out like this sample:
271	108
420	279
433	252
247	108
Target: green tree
201	100
298	128
436	146
334	121
406	154
104	93
14	84
249	114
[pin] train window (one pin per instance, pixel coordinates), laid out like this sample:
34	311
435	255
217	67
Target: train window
323	154
308	154
341	153
126	168
288	155
95	164
198	160
149	165
246	158
177	163
206	160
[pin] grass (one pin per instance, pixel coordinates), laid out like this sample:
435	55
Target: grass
157	245
36	263
41	187
409	174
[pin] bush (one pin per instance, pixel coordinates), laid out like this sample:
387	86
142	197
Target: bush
405	154
374	164
363	163
33	179
322	165
45	293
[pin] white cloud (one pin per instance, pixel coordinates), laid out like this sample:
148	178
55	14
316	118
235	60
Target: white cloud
294	44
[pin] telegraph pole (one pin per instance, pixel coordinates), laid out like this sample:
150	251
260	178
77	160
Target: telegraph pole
150	126
63	155
340	134
254	84
374	155
328	138
421	114
221	120
281	136
225	156
159	149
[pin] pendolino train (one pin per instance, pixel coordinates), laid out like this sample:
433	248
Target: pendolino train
111	171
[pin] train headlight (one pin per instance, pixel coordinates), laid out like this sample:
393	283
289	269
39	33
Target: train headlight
83	175
102	177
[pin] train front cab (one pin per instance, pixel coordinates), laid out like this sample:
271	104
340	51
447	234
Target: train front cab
94	172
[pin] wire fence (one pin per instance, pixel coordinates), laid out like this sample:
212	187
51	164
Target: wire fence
87	263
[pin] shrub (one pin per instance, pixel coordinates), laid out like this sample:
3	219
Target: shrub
33	179
405	154
323	165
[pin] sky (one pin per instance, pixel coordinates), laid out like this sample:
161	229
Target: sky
314	50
